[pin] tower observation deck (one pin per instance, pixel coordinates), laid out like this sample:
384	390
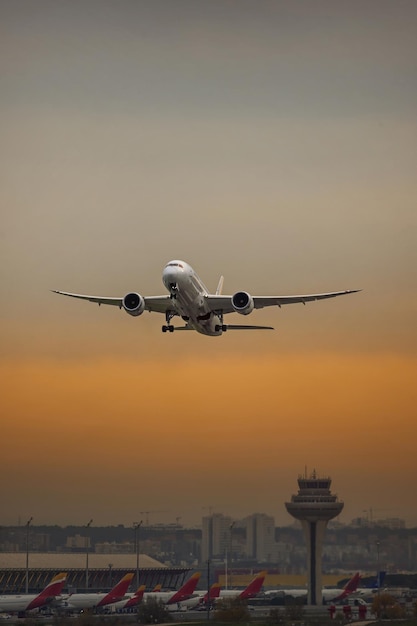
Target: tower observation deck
314	505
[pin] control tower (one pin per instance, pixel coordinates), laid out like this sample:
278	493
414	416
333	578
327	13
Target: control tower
314	505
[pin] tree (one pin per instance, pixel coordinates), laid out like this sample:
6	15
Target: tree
231	610
276	616
385	606
153	611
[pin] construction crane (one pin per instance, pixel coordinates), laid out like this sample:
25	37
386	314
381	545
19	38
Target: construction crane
371	511
147	513
210	508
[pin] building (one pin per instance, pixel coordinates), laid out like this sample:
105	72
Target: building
260	538
215	536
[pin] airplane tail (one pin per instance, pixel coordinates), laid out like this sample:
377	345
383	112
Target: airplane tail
379	579
350	587
220	286
186	590
157	587
212	593
254	587
352	584
118	592
51	590
136	598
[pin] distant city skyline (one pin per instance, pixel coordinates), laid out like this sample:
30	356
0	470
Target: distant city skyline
367	517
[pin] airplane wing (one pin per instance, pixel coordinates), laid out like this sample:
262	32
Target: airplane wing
158	304
224	303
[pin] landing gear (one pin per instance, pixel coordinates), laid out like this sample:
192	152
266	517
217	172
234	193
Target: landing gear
168	327
220	327
173	289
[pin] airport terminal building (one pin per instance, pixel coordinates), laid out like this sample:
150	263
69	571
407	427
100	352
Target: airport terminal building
100	571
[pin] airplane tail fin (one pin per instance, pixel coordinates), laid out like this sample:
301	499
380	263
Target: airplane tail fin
186	590
51	590
350	587
157	587
254	587
352	584
118	592
220	286
212	593
136	598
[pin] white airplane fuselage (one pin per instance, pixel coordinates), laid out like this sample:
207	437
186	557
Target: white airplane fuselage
78	601
16	603
188	294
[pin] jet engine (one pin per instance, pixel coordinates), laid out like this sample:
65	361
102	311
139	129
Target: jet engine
242	303
134	304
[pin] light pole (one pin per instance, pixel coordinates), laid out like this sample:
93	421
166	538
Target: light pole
231	550
208	587
27	555
87	544
378	578
136	526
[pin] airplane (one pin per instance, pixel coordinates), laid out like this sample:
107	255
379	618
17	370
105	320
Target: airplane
369	590
336	595
189	299
79	601
217	593
175	597
131	600
27	602
250	591
328	595
200	599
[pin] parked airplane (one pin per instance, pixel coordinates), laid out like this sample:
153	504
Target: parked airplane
201	598
27	602
369	590
131	600
336	595
328	595
250	591
175	597
78	601
202	311
216	592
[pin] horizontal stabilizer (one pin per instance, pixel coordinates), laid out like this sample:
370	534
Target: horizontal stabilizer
183	328
244	327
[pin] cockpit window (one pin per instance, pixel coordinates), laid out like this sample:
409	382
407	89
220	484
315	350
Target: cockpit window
175	265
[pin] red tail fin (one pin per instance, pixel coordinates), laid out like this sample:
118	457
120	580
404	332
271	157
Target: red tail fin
118	592
186	590
352	584
51	590
137	598
213	593
254	587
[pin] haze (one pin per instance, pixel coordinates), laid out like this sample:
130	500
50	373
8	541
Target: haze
271	142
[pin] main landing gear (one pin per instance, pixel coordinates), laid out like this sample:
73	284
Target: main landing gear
168	327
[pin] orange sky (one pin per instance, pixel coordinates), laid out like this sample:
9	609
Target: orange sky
229	432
